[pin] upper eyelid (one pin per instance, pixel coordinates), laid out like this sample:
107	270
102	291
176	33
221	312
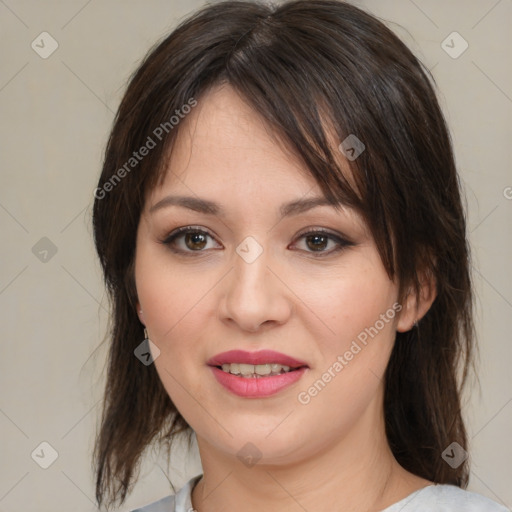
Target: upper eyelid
305	231
187	229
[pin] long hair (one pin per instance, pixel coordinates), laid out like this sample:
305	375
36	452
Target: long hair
313	69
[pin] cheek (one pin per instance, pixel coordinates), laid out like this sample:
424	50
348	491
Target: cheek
173	300
175	310
351	305
359	310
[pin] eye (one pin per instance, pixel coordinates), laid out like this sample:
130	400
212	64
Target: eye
191	239
317	241
188	239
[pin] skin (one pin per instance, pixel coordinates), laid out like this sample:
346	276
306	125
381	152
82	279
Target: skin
319	456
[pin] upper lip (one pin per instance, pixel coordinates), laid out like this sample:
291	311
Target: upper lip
259	357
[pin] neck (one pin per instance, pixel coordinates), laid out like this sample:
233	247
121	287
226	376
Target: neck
358	473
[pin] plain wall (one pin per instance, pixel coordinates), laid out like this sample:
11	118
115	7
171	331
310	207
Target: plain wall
56	114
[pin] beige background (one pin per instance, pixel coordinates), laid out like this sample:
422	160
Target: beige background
56	115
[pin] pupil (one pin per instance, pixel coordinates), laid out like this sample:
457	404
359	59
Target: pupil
317	238
195	239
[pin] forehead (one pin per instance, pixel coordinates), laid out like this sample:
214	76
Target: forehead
223	136
225	142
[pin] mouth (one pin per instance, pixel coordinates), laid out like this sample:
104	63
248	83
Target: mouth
253	364
256	374
256	371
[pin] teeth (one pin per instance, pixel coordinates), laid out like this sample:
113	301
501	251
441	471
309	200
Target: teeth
255	370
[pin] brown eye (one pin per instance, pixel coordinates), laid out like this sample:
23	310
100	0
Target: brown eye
189	240
317	242
195	240
323	243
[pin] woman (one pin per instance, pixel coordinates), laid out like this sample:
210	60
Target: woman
280	227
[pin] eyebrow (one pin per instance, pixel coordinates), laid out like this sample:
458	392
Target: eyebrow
211	208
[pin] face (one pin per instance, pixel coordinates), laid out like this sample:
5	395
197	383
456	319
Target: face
251	274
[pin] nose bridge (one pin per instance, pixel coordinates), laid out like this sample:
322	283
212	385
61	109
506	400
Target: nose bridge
250	277
253	295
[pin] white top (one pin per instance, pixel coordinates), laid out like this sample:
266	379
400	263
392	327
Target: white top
433	498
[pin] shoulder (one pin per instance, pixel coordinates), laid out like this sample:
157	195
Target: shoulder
164	505
451	495
180	502
446	498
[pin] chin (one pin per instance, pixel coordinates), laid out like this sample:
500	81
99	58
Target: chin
263	446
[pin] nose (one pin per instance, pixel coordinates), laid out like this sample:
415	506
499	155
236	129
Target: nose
255	295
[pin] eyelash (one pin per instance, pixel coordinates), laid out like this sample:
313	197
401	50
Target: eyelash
341	242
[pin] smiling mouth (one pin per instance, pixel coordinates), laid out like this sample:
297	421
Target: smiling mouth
256	371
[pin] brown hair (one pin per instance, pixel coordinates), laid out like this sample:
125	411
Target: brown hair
302	65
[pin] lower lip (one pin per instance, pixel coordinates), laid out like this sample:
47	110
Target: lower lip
256	387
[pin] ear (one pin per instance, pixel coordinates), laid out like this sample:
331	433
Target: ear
414	308
140	313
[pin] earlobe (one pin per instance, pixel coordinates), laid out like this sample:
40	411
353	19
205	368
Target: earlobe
140	313
415	308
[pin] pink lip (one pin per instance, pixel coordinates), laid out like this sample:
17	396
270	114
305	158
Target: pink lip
259	357
256	387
